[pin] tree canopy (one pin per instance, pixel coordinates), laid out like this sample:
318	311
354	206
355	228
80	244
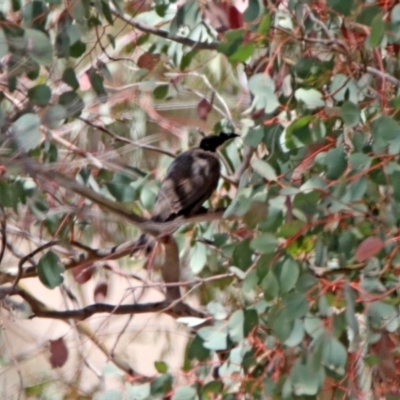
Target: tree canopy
288	288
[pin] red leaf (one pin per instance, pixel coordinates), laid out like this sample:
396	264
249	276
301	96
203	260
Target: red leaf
82	273
100	292
222	17
58	353
203	109
368	248
235	17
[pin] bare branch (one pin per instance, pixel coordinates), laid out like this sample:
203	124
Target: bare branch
40	310
195	45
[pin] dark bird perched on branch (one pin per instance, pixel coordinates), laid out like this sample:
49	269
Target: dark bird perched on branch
191	179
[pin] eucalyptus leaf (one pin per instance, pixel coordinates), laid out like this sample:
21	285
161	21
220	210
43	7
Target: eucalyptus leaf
50	270
26	131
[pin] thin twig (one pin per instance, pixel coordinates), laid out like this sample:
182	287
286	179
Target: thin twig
125	140
3	228
383	75
196	45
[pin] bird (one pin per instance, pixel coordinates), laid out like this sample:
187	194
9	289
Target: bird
191	179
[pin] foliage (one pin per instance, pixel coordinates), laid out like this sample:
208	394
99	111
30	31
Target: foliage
300	283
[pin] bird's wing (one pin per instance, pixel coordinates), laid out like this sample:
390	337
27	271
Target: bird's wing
190	181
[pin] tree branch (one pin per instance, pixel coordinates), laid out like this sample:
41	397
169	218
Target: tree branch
195	45
40	310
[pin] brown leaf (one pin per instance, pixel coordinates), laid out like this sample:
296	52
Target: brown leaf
82	273
100	292
203	109
148	61
58	353
368	248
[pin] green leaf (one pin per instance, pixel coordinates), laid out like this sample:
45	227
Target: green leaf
211	387
341	7
290	228
235	326
382	315
280	322
265	25
295	305
40	95
161	367
96	80
137	392
308	68
187	59
70	79
395	14
161	92
3	44
217	341
252	11
367	14
288	275
265	243
77	49
217	310
384	130
350	113
307	203
115	394
185	393
254	137
359	162
54	116
263	88
189	14
299	130
250	321
72	103
161	385
243	52
336	163
196	349
395	182
107	12
312	98
377	30
35	15
16	5
334	354
242	255
305	380
314	326
39	46
297	334
11	194
350	310
26	131
270	285
50	270
264	169
198	256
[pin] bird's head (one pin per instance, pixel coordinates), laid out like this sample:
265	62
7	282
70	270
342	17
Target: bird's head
211	143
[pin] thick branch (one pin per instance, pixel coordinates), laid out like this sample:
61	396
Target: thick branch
40	310
171	267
